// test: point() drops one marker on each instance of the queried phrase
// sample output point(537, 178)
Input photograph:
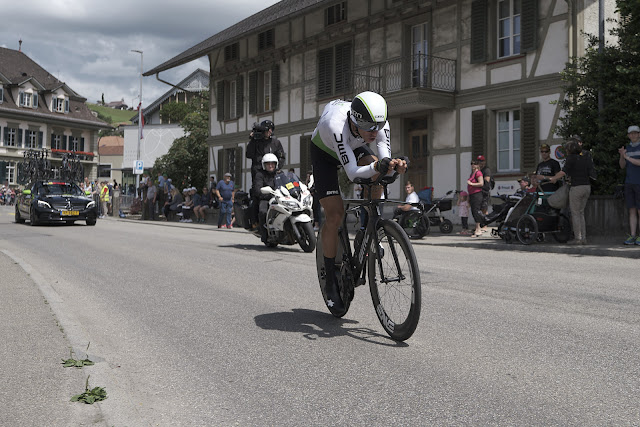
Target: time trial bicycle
point(383, 250)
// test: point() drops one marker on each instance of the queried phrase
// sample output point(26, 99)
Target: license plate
point(69, 213)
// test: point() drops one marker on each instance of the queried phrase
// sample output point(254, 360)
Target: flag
point(140, 120)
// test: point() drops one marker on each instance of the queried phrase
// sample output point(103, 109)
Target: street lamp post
point(139, 116)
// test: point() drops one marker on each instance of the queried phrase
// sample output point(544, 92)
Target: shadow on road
point(262, 248)
point(314, 324)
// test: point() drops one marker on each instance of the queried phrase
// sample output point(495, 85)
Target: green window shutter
point(325, 72)
point(35, 100)
point(65, 142)
point(275, 87)
point(343, 67)
point(529, 26)
point(529, 136)
point(305, 155)
point(479, 31)
point(3, 171)
point(478, 133)
point(20, 142)
point(40, 139)
point(253, 92)
point(220, 100)
point(82, 144)
point(237, 170)
point(239, 95)
point(220, 164)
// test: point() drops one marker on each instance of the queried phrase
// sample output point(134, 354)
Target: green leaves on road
point(89, 397)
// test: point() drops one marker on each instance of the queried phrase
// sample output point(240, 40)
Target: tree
point(187, 162)
point(616, 72)
point(174, 112)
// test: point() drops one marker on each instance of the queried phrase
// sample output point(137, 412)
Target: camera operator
point(262, 142)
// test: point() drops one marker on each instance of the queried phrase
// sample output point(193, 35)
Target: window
point(503, 28)
point(508, 138)
point(11, 172)
point(57, 142)
point(508, 28)
point(60, 105)
point(230, 160)
point(28, 99)
point(266, 39)
point(76, 144)
point(264, 90)
point(336, 13)
point(32, 139)
point(334, 70)
point(12, 137)
point(229, 98)
point(1, 94)
point(104, 170)
point(231, 52)
point(419, 50)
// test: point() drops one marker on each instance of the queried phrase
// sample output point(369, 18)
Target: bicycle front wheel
point(394, 280)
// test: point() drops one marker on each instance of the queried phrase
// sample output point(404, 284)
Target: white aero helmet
point(369, 111)
point(268, 158)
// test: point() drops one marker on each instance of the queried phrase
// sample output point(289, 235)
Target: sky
point(87, 43)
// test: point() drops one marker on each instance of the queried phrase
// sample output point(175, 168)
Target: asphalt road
point(208, 327)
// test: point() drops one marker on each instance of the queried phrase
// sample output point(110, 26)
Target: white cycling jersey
point(334, 136)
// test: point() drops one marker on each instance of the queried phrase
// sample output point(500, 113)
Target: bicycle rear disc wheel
point(394, 281)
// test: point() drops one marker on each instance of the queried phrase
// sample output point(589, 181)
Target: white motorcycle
point(289, 218)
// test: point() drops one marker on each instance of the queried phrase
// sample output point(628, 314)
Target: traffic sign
point(138, 167)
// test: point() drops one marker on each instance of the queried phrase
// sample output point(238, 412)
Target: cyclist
point(342, 138)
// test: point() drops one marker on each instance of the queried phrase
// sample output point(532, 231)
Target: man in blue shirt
point(225, 191)
point(630, 159)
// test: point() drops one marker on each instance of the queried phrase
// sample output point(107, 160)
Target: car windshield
point(59, 188)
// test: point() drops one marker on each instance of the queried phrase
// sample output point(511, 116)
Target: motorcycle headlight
point(307, 201)
point(289, 204)
point(43, 204)
point(90, 205)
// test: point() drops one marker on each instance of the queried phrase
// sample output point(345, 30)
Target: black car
point(55, 201)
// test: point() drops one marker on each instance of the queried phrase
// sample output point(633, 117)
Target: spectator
point(200, 209)
point(412, 197)
point(225, 190)
point(174, 204)
point(463, 211)
point(86, 187)
point(630, 159)
point(525, 186)
point(212, 182)
point(187, 205)
point(291, 175)
point(152, 193)
point(104, 198)
point(578, 168)
point(474, 188)
point(160, 194)
point(547, 168)
point(486, 186)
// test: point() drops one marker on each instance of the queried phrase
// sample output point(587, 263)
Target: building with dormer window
point(461, 78)
point(39, 111)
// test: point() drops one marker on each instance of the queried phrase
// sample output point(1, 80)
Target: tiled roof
point(110, 151)
point(16, 68)
point(280, 11)
point(111, 141)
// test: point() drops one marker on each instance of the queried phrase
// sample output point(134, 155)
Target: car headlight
point(43, 204)
point(90, 205)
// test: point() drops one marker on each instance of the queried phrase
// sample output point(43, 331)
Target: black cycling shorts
point(325, 170)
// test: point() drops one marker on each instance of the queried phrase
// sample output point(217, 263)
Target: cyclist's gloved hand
point(382, 165)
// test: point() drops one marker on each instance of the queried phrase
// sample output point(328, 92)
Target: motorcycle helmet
point(268, 124)
point(269, 158)
point(369, 111)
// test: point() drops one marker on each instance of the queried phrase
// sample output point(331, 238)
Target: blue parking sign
point(138, 167)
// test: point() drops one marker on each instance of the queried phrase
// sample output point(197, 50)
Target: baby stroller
point(531, 218)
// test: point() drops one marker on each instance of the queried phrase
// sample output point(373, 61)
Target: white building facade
point(461, 78)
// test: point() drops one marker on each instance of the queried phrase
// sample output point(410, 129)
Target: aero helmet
point(269, 158)
point(369, 111)
point(268, 124)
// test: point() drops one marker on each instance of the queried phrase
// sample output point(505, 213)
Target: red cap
point(481, 158)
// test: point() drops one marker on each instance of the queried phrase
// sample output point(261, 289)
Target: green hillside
point(111, 115)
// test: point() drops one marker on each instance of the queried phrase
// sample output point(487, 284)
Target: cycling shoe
point(332, 292)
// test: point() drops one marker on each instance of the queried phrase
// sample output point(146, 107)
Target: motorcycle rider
point(265, 177)
point(260, 143)
point(341, 138)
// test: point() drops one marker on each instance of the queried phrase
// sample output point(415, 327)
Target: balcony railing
point(415, 71)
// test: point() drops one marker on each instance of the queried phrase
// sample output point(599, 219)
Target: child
point(463, 211)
